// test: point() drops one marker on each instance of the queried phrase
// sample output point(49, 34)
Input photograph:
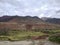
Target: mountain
point(21, 19)
point(25, 23)
point(26, 19)
point(5, 18)
point(51, 20)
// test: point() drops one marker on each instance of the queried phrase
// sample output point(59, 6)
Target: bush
point(55, 38)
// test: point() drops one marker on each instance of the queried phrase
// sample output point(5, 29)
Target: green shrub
point(55, 38)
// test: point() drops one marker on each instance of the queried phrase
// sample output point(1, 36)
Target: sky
point(40, 8)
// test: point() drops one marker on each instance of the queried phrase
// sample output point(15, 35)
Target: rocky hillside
point(21, 19)
point(25, 23)
point(51, 20)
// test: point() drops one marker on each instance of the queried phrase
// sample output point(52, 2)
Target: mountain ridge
point(25, 23)
point(51, 20)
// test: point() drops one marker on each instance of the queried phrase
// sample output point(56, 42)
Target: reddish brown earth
point(39, 37)
point(25, 23)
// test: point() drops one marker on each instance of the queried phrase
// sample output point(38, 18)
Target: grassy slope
point(23, 35)
point(20, 35)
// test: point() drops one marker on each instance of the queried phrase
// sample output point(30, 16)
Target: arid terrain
point(19, 30)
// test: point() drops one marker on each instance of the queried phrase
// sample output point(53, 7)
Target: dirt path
point(28, 43)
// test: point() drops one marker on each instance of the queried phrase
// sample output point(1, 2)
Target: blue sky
point(40, 8)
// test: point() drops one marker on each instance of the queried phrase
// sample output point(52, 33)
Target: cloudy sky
point(40, 8)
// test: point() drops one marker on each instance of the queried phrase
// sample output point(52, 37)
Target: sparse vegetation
point(24, 35)
point(20, 35)
point(50, 31)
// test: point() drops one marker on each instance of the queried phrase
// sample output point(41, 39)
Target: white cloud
point(41, 15)
point(39, 8)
